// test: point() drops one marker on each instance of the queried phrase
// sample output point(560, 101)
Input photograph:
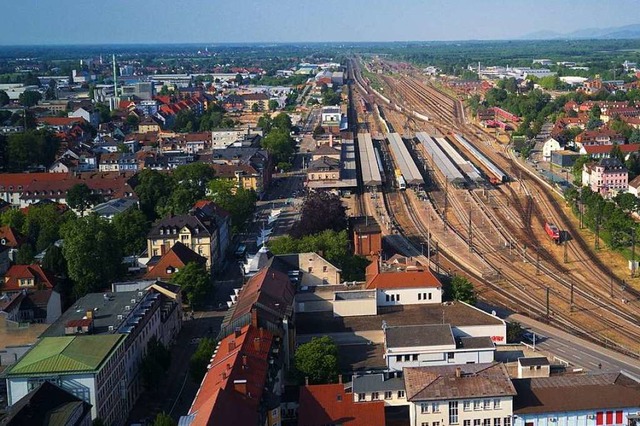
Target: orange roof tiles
point(330, 404)
point(176, 258)
point(418, 278)
point(231, 391)
point(17, 272)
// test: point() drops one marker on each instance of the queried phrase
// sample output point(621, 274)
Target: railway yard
point(471, 209)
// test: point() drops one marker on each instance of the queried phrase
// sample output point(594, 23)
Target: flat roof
point(483, 342)
point(420, 335)
point(454, 313)
point(376, 382)
point(355, 295)
point(361, 357)
point(105, 312)
point(537, 360)
point(66, 355)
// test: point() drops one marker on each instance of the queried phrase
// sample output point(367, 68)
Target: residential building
point(243, 175)
point(118, 162)
point(90, 115)
point(261, 101)
point(149, 124)
point(307, 269)
point(330, 404)
point(603, 136)
point(531, 367)
point(634, 186)
point(241, 382)
point(607, 177)
point(331, 117)
point(12, 239)
point(604, 151)
point(323, 169)
point(196, 230)
point(549, 146)
point(153, 311)
point(30, 277)
point(474, 394)
point(165, 266)
point(31, 306)
point(49, 404)
point(592, 399)
point(222, 219)
point(91, 368)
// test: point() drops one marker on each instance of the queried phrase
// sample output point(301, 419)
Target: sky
point(215, 21)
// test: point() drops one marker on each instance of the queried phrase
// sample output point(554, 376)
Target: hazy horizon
point(63, 22)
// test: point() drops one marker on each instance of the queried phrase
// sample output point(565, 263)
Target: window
point(467, 423)
point(407, 358)
point(324, 269)
point(310, 269)
point(424, 408)
point(414, 357)
point(486, 422)
point(435, 424)
point(476, 404)
point(466, 405)
point(397, 297)
point(496, 404)
point(486, 404)
point(424, 424)
point(435, 407)
point(400, 394)
point(398, 358)
point(429, 294)
point(507, 421)
point(387, 297)
point(496, 421)
point(361, 397)
point(419, 296)
point(453, 412)
point(476, 422)
point(388, 395)
point(375, 396)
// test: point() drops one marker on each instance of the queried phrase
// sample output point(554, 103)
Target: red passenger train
point(553, 232)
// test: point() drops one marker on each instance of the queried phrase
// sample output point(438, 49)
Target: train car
point(553, 232)
point(402, 184)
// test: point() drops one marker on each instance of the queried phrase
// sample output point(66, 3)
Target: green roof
point(72, 354)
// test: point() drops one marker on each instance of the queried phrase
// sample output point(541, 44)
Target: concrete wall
point(354, 307)
point(441, 412)
point(497, 333)
point(413, 296)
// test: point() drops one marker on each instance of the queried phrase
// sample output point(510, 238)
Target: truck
point(402, 183)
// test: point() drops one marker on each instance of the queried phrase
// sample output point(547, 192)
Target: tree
point(132, 120)
point(626, 201)
point(576, 169)
point(635, 136)
point(25, 254)
point(4, 98)
point(239, 79)
point(318, 131)
point(51, 90)
point(194, 281)
point(194, 176)
point(265, 123)
point(239, 202)
point(32, 148)
point(13, 218)
point(280, 144)
point(282, 121)
point(255, 107)
point(273, 105)
point(42, 224)
point(616, 152)
point(93, 253)
point(201, 358)
point(132, 227)
point(163, 419)
point(462, 290)
point(331, 98)
point(80, 198)
point(29, 98)
point(153, 189)
point(98, 422)
point(321, 210)
point(514, 332)
point(317, 360)
point(54, 261)
point(155, 363)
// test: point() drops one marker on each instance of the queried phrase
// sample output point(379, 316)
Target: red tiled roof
point(12, 238)
point(15, 180)
point(604, 149)
point(60, 121)
point(330, 404)
point(176, 258)
point(420, 278)
point(231, 391)
point(229, 170)
point(35, 272)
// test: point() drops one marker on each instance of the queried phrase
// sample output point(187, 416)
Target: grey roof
point(105, 312)
point(376, 382)
point(355, 295)
point(324, 163)
point(611, 163)
point(196, 225)
point(442, 382)
point(528, 362)
point(419, 335)
point(114, 206)
point(483, 342)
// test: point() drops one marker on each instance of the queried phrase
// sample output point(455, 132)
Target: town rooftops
point(611, 164)
point(173, 260)
point(14, 279)
point(114, 206)
point(575, 393)
point(171, 225)
point(635, 182)
point(376, 382)
point(108, 309)
point(10, 237)
point(364, 225)
point(330, 404)
point(457, 314)
point(66, 355)
point(483, 342)
point(394, 275)
point(533, 361)
point(419, 335)
point(456, 382)
point(48, 404)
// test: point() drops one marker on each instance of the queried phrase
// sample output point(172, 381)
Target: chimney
point(331, 140)
point(340, 378)
point(240, 386)
point(458, 372)
point(89, 314)
point(306, 380)
point(238, 332)
point(254, 317)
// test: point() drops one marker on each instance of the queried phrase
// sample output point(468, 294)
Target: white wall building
point(548, 147)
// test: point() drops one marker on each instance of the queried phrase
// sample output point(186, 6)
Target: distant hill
point(625, 32)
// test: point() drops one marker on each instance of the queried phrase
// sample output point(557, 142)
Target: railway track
point(527, 214)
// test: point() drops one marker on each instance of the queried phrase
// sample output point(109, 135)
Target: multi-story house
point(607, 177)
point(196, 230)
point(89, 367)
point(468, 395)
point(118, 162)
